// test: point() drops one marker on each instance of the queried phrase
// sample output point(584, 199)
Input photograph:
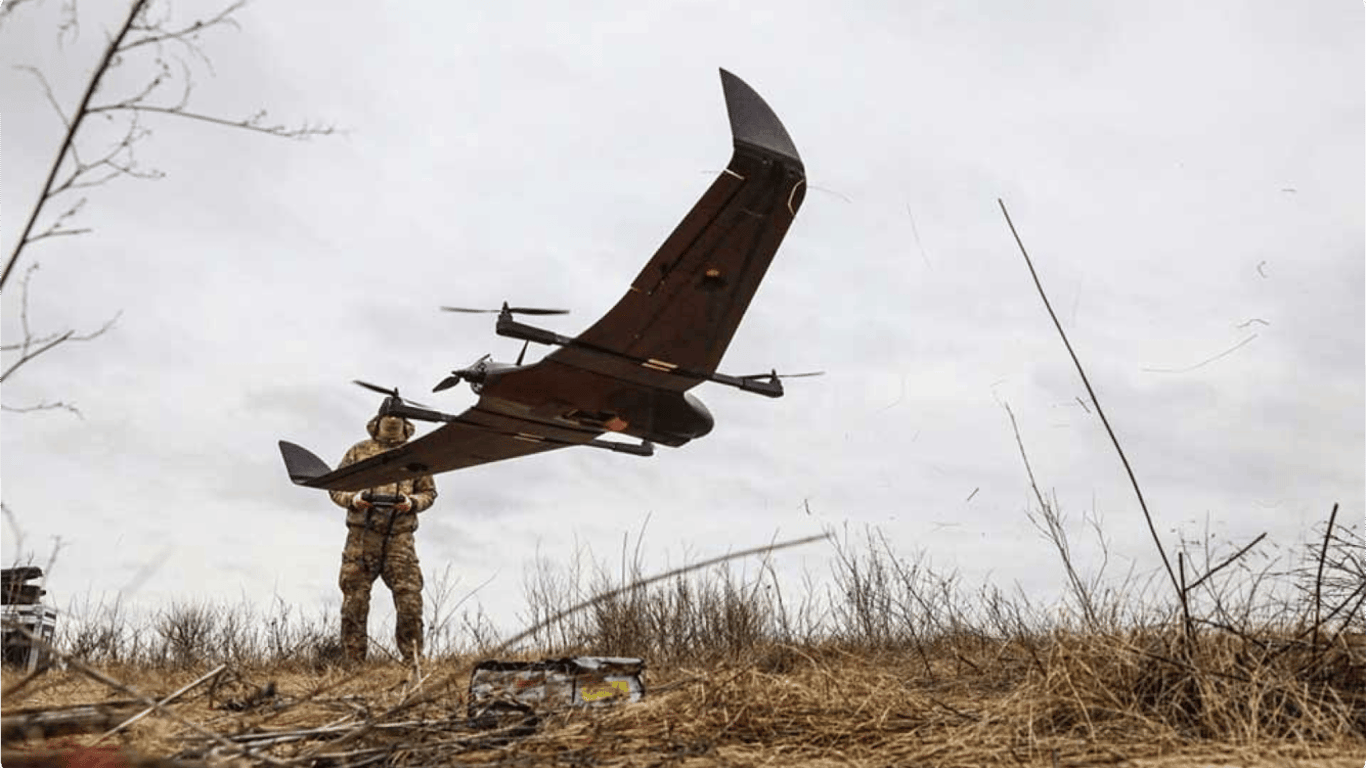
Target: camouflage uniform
point(379, 542)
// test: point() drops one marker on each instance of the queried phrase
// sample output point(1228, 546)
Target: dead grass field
point(785, 706)
point(902, 667)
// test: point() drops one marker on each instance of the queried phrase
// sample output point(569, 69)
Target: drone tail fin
point(753, 122)
point(301, 464)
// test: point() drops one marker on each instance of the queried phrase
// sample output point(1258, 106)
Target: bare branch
point(79, 176)
point(23, 305)
point(67, 141)
point(56, 228)
point(45, 406)
point(253, 123)
point(32, 346)
point(29, 355)
point(139, 29)
point(1227, 561)
point(1052, 529)
point(163, 73)
point(54, 232)
point(70, 170)
point(47, 91)
point(189, 81)
point(1133, 480)
point(1318, 578)
point(155, 34)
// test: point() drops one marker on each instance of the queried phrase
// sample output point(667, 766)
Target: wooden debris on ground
point(33, 724)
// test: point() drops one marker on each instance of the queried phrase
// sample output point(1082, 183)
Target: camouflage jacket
point(420, 490)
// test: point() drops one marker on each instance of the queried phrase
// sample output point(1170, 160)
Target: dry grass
point(904, 667)
point(785, 705)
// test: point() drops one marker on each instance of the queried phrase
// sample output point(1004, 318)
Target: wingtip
point(301, 464)
point(753, 122)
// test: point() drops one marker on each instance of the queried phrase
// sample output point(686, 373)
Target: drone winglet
point(753, 122)
point(301, 464)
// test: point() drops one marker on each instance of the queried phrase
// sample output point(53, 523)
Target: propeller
point(512, 310)
point(390, 392)
point(473, 374)
point(776, 375)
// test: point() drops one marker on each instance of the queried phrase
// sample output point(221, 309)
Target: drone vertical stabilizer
point(752, 121)
point(301, 464)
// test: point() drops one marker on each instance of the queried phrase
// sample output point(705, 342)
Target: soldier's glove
point(359, 502)
point(404, 504)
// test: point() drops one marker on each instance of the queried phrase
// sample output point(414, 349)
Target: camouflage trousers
point(366, 557)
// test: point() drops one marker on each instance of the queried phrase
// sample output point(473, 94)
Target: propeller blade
point(376, 388)
point(522, 354)
point(390, 392)
point(447, 383)
point(775, 374)
point(537, 311)
point(513, 310)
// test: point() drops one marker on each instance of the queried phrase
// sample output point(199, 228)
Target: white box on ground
point(583, 681)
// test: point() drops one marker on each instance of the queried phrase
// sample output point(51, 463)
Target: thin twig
point(1360, 590)
point(251, 123)
point(1152, 529)
point(45, 405)
point(77, 117)
point(212, 673)
point(1187, 626)
point(1052, 528)
point(142, 698)
point(224, 17)
point(27, 356)
point(47, 91)
point(1207, 360)
point(1318, 579)
point(137, 31)
point(924, 257)
point(1226, 562)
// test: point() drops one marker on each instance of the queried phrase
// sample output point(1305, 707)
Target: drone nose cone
point(702, 417)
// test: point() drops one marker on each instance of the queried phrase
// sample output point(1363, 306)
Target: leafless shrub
point(187, 631)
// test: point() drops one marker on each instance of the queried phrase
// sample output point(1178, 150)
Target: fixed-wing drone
point(630, 372)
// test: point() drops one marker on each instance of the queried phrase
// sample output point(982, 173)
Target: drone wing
point(477, 436)
point(682, 310)
point(629, 370)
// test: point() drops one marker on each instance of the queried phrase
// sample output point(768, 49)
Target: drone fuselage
point(576, 399)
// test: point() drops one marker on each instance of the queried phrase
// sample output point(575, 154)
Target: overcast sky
point(1188, 178)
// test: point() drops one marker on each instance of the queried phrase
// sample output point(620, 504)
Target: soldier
point(379, 542)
